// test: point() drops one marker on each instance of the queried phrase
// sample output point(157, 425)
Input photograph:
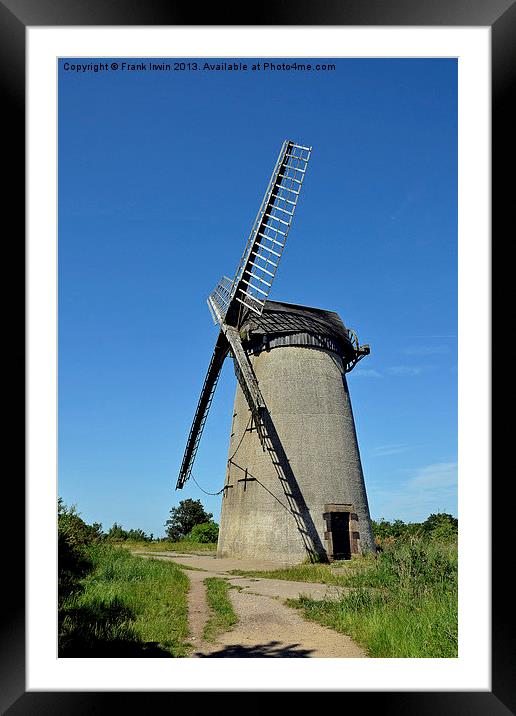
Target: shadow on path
point(270, 650)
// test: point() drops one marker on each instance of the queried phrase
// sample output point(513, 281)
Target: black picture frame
point(500, 16)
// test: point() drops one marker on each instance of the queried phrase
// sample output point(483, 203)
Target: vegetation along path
point(266, 627)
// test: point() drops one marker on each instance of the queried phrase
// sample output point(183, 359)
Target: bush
point(205, 532)
point(415, 565)
point(73, 530)
point(440, 527)
point(73, 538)
point(118, 534)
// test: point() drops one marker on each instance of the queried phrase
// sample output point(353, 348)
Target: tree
point(138, 536)
point(441, 526)
point(116, 532)
point(184, 517)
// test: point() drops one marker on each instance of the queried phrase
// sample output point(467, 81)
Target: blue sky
point(160, 177)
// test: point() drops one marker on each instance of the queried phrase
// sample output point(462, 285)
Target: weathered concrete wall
point(307, 397)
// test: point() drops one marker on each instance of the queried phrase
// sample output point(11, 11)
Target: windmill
point(294, 486)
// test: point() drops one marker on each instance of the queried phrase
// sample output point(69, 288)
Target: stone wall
point(265, 517)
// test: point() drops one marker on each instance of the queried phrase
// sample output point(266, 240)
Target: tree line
point(440, 526)
point(188, 521)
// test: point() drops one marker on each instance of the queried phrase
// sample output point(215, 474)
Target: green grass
point(222, 616)
point(402, 603)
point(125, 606)
point(319, 573)
point(390, 627)
point(183, 547)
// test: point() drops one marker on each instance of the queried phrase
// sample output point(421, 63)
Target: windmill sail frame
point(249, 289)
point(203, 406)
point(259, 262)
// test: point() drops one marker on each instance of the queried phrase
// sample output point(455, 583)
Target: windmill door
point(339, 525)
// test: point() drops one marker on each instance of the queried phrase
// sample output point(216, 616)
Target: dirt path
point(266, 627)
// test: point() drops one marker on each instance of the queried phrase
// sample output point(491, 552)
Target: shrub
point(440, 527)
point(117, 533)
point(73, 537)
point(205, 532)
point(73, 530)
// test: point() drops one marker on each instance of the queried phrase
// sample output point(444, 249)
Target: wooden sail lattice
point(250, 288)
point(257, 268)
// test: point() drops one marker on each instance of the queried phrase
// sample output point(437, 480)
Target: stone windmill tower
point(294, 487)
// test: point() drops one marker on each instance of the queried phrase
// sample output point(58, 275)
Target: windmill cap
point(283, 324)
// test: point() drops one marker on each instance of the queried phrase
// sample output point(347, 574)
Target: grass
point(183, 547)
point(125, 606)
point(222, 616)
point(402, 603)
point(319, 573)
point(390, 627)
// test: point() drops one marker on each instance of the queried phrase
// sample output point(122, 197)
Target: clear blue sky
point(160, 177)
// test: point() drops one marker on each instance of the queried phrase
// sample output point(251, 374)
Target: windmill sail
point(258, 265)
point(219, 300)
point(249, 289)
point(247, 379)
point(210, 383)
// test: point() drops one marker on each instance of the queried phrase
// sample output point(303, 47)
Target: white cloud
point(407, 370)
point(440, 474)
point(367, 373)
point(383, 450)
point(425, 350)
point(429, 489)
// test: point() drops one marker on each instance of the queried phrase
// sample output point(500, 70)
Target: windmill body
point(294, 486)
point(304, 495)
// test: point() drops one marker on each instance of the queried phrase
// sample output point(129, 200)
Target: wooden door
point(340, 535)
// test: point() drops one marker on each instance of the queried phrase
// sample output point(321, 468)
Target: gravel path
point(266, 627)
